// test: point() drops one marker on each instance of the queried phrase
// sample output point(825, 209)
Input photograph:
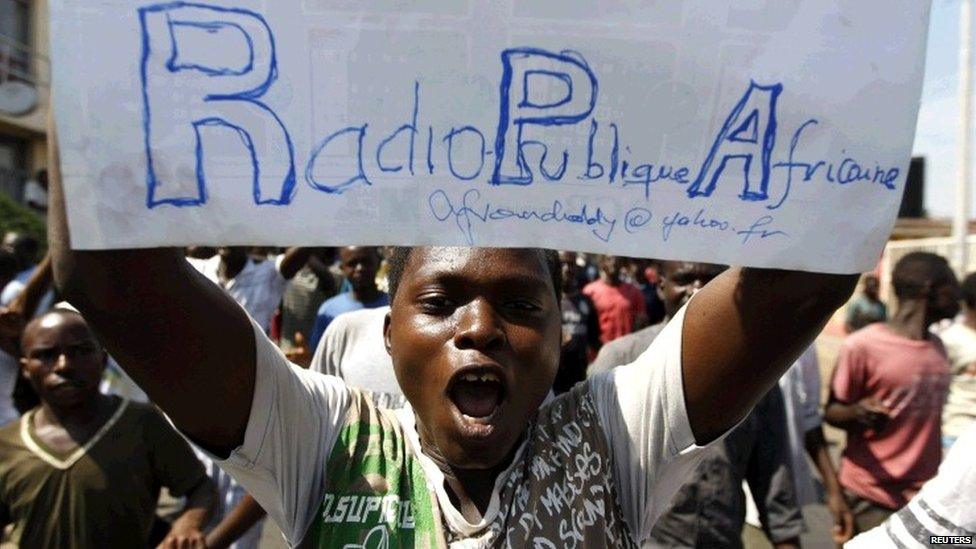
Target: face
point(474, 335)
point(943, 301)
point(570, 270)
point(62, 360)
point(359, 265)
point(680, 280)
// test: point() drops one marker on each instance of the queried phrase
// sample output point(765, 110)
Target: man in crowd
point(353, 349)
point(35, 193)
point(84, 469)
point(24, 248)
point(867, 308)
point(619, 304)
point(358, 264)
point(960, 343)
point(710, 508)
point(887, 393)
point(680, 280)
point(800, 386)
point(581, 327)
point(474, 335)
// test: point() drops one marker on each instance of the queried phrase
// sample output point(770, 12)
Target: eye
point(436, 304)
point(523, 305)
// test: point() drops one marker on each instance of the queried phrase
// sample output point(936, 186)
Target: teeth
point(483, 377)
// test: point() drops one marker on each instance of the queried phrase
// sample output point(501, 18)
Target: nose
point(479, 326)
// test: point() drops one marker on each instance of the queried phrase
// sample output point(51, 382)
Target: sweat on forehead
point(402, 257)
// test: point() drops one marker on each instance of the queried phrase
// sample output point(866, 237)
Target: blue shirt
point(342, 303)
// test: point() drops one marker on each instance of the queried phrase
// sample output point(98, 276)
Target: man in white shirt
point(481, 457)
point(353, 349)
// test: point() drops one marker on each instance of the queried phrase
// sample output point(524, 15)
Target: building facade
point(25, 77)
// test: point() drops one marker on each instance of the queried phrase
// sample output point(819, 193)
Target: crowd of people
point(681, 425)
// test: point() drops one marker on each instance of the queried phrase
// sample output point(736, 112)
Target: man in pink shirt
point(887, 393)
point(619, 304)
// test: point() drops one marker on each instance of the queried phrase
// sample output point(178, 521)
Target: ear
point(23, 369)
point(659, 288)
point(386, 333)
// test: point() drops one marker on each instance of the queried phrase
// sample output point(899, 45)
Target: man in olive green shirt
point(84, 469)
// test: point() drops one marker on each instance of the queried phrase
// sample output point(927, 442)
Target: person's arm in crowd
point(15, 316)
point(293, 260)
point(187, 529)
point(245, 515)
point(179, 336)
point(848, 408)
point(769, 477)
point(742, 331)
point(816, 447)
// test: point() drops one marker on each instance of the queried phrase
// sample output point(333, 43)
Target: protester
point(680, 280)
point(887, 393)
point(800, 386)
point(257, 286)
point(353, 349)
point(359, 264)
point(311, 286)
point(619, 304)
point(710, 509)
point(867, 307)
point(581, 328)
point(960, 343)
point(84, 469)
point(942, 513)
point(474, 335)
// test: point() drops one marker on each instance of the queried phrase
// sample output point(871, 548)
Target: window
point(14, 40)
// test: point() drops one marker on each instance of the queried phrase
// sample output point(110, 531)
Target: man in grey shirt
point(679, 282)
point(709, 510)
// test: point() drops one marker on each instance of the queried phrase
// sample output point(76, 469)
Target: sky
point(938, 120)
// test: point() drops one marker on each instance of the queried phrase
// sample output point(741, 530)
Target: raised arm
point(742, 331)
point(180, 337)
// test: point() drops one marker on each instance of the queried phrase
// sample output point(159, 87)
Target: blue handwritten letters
point(209, 73)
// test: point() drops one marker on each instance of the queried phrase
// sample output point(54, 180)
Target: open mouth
point(478, 394)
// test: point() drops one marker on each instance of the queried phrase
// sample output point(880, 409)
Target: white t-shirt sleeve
point(642, 409)
point(296, 416)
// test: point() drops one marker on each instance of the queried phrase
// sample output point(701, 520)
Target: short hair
point(969, 290)
point(61, 309)
point(401, 255)
point(918, 272)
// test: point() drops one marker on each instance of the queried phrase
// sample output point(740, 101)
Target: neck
point(73, 416)
point(469, 489)
point(911, 319)
point(609, 279)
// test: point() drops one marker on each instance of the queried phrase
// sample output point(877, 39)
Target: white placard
point(770, 133)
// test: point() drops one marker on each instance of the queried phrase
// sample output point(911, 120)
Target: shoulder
point(10, 437)
point(593, 287)
point(333, 302)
